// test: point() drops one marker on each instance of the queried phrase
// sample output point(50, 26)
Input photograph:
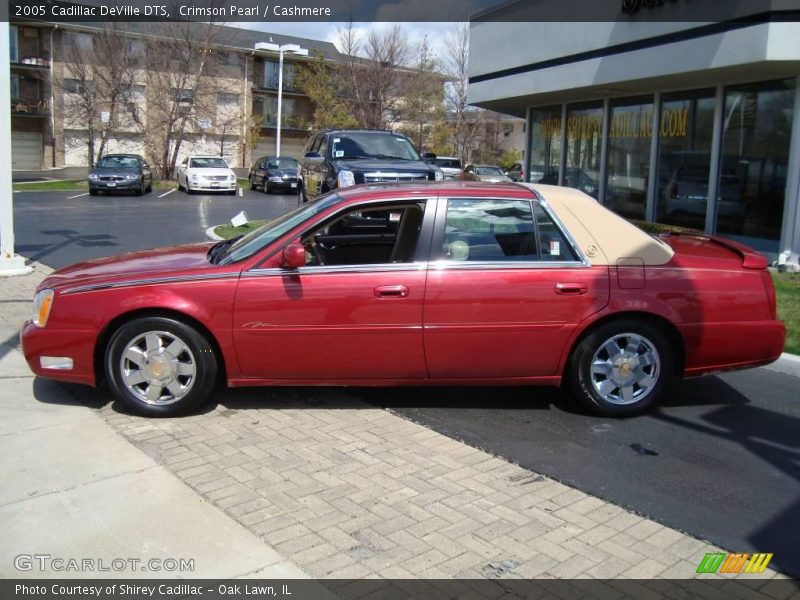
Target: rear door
point(505, 291)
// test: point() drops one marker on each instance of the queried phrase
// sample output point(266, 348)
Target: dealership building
point(682, 123)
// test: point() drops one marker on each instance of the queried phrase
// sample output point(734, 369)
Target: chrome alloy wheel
point(158, 368)
point(625, 368)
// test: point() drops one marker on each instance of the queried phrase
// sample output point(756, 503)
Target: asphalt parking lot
point(61, 228)
point(720, 460)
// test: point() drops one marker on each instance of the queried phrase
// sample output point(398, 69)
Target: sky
point(328, 31)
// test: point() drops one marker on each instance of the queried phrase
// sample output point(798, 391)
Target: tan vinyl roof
point(612, 239)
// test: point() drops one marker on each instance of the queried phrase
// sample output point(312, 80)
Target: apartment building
point(50, 129)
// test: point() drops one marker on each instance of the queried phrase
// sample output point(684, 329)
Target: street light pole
point(10, 263)
point(280, 102)
point(285, 48)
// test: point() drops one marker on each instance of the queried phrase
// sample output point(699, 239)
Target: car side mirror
point(312, 155)
point(428, 156)
point(294, 256)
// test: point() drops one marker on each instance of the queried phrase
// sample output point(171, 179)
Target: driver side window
point(380, 235)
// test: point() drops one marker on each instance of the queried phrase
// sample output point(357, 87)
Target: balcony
point(29, 107)
point(271, 84)
point(290, 123)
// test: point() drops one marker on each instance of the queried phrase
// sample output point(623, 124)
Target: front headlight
point(438, 175)
point(345, 179)
point(93, 176)
point(42, 303)
point(131, 177)
point(232, 177)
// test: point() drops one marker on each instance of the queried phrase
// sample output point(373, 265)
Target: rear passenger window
point(552, 243)
point(489, 230)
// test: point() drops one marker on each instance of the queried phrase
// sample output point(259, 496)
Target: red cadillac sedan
point(454, 283)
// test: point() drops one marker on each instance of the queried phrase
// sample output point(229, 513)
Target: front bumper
point(213, 186)
point(111, 186)
point(77, 345)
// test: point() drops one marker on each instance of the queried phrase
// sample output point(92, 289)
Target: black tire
point(140, 190)
point(585, 387)
point(252, 185)
point(301, 195)
point(92, 192)
point(265, 187)
point(202, 357)
point(149, 187)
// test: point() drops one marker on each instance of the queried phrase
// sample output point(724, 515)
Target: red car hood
point(158, 262)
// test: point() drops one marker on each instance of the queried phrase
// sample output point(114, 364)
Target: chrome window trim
point(148, 281)
point(314, 269)
point(499, 265)
point(564, 231)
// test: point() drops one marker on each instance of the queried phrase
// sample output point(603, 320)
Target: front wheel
point(620, 368)
point(160, 367)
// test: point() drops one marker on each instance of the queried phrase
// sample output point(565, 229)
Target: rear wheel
point(620, 368)
point(160, 367)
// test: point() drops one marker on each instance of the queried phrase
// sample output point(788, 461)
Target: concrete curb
point(211, 235)
point(786, 363)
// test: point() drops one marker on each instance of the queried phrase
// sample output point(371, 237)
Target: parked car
point(516, 172)
point(488, 173)
point(450, 166)
point(343, 158)
point(270, 173)
point(686, 192)
point(438, 284)
point(121, 173)
point(206, 173)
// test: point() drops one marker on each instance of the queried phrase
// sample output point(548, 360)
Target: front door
point(507, 293)
point(355, 310)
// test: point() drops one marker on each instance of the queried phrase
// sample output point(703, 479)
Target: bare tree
point(99, 84)
point(465, 120)
point(185, 76)
point(376, 72)
point(423, 105)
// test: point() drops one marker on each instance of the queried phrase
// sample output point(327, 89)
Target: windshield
point(208, 163)
point(262, 237)
point(488, 171)
point(118, 162)
point(448, 163)
point(372, 145)
point(281, 163)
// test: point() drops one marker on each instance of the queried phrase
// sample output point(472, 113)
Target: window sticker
point(339, 153)
point(336, 140)
point(555, 247)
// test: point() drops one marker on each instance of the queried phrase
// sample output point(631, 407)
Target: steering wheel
point(316, 250)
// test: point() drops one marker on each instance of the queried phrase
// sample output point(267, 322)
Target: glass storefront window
point(684, 158)
point(545, 150)
point(629, 135)
point(584, 140)
point(757, 127)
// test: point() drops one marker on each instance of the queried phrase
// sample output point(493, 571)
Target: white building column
point(789, 256)
point(10, 263)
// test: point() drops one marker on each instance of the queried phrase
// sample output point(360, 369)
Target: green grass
point(243, 182)
point(73, 185)
point(228, 231)
point(787, 287)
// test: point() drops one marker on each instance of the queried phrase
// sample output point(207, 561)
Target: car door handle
point(391, 291)
point(570, 289)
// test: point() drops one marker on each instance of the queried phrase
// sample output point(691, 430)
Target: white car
point(206, 173)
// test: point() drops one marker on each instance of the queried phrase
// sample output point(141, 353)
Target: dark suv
point(342, 158)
